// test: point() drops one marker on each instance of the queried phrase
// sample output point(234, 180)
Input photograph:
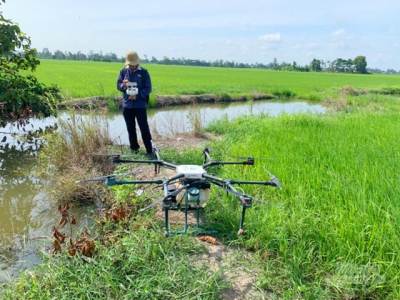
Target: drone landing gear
point(246, 202)
point(186, 209)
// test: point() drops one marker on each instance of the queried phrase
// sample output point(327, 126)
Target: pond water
point(176, 119)
point(26, 215)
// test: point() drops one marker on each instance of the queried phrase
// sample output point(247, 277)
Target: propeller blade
point(244, 195)
point(274, 179)
point(268, 203)
point(214, 150)
point(232, 191)
point(154, 203)
point(277, 183)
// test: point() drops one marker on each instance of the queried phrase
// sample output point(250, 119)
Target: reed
point(67, 156)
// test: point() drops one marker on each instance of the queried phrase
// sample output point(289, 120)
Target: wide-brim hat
point(132, 58)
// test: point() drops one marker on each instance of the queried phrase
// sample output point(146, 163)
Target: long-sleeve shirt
point(142, 78)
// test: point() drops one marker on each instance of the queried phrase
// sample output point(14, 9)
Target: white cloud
point(271, 38)
point(338, 34)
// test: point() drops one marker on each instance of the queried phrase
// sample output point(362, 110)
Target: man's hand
point(133, 97)
point(125, 81)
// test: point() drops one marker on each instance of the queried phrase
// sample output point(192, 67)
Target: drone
point(189, 189)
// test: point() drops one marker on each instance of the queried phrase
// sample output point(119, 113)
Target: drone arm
point(250, 161)
point(213, 178)
point(112, 182)
point(169, 165)
point(253, 182)
point(117, 160)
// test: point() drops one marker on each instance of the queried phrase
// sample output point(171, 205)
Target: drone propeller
point(214, 150)
point(104, 178)
point(247, 196)
point(173, 194)
point(274, 179)
point(232, 191)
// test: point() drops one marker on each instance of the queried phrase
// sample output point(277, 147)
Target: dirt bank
point(162, 100)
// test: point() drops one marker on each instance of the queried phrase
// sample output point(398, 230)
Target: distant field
point(84, 79)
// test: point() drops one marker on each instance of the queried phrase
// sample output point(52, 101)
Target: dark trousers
point(139, 114)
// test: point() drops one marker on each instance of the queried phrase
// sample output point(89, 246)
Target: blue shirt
point(142, 78)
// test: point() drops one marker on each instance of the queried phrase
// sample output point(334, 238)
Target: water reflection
point(173, 120)
point(26, 215)
point(20, 197)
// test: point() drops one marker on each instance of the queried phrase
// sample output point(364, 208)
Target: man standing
point(134, 81)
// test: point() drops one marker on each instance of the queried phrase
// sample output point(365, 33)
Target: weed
point(67, 155)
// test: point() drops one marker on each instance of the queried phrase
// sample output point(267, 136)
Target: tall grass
point(68, 157)
point(337, 236)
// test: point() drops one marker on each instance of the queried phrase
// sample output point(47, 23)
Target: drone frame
point(188, 181)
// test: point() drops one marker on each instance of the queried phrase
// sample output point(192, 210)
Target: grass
point(84, 79)
point(338, 234)
point(141, 265)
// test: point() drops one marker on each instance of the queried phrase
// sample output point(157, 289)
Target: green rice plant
point(87, 79)
point(338, 233)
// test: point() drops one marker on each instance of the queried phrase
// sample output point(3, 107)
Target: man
point(134, 81)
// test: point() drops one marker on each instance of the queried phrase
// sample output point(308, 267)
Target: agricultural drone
point(190, 188)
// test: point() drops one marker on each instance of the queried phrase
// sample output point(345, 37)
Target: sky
point(232, 30)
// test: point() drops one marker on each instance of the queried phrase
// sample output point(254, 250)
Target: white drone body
point(191, 171)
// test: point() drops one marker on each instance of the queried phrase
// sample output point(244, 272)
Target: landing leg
point(166, 233)
point(240, 232)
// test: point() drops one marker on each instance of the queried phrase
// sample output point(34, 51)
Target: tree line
point(356, 65)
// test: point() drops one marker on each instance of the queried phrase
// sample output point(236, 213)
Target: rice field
point(84, 79)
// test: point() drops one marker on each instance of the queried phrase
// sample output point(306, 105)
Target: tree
point(315, 65)
point(275, 64)
point(21, 96)
point(45, 53)
point(360, 64)
point(58, 55)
